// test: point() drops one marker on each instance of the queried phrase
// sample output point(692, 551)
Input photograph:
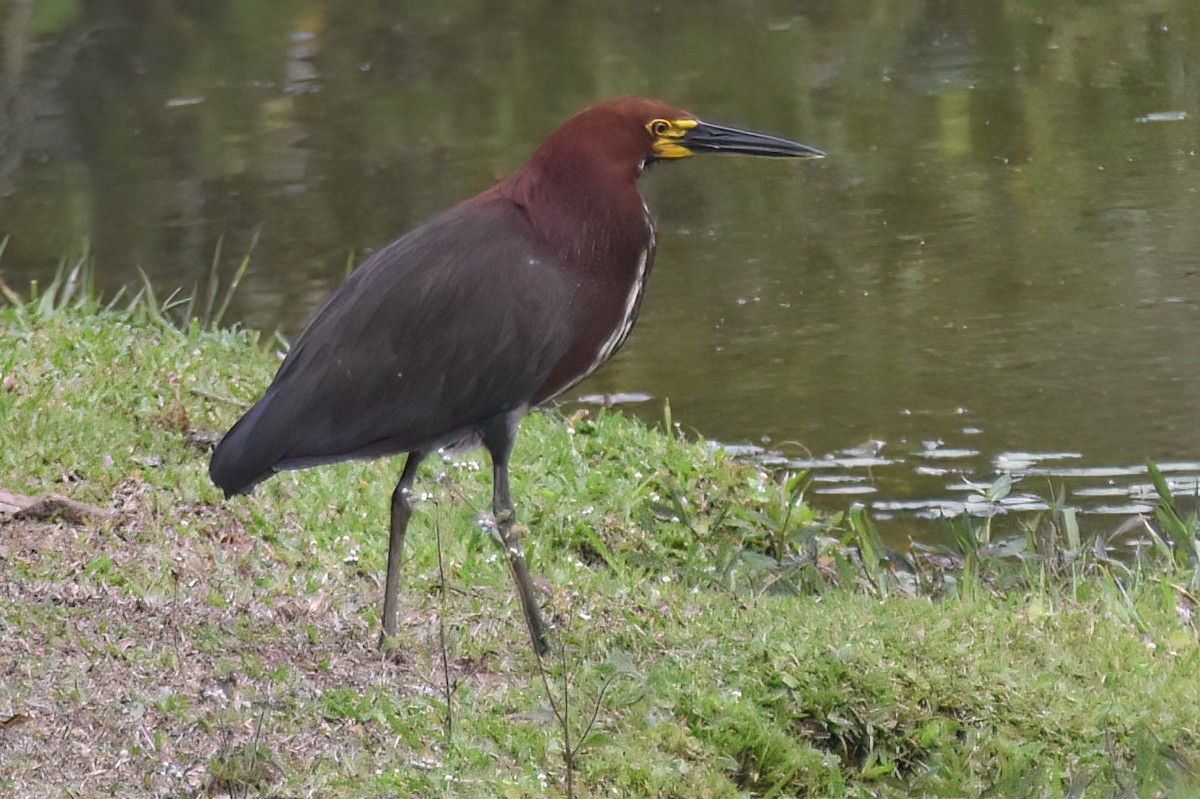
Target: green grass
point(715, 636)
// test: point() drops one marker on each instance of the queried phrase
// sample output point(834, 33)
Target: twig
point(562, 714)
point(199, 392)
point(446, 687)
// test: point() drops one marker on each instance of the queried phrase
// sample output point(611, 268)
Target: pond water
point(996, 271)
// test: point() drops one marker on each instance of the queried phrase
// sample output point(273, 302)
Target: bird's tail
point(241, 462)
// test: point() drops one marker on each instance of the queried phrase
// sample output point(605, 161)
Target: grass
point(714, 636)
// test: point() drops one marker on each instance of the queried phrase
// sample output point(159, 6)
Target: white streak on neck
point(621, 331)
point(629, 315)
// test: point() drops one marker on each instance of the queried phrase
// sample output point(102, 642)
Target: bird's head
point(636, 131)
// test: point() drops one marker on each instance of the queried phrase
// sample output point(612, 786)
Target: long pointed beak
point(709, 138)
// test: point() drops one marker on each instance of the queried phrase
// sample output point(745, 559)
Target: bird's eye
point(659, 127)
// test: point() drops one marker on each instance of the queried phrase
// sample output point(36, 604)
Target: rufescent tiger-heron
point(447, 336)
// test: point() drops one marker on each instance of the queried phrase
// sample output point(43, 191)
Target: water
point(995, 271)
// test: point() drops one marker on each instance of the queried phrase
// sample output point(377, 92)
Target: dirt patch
point(142, 661)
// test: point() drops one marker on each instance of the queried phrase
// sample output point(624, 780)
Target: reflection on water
point(999, 255)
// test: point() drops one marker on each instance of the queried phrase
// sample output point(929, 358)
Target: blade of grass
point(11, 296)
point(1180, 532)
point(46, 303)
point(149, 307)
point(214, 280)
point(237, 280)
point(73, 280)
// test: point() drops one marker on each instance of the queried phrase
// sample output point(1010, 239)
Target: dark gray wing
point(458, 321)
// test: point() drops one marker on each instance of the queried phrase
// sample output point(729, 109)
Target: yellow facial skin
point(668, 133)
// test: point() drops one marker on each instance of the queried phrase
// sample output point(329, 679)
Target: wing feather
point(458, 321)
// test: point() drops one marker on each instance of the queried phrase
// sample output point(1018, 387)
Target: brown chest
point(603, 316)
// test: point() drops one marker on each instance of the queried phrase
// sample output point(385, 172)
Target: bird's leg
point(498, 438)
point(401, 512)
point(503, 510)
